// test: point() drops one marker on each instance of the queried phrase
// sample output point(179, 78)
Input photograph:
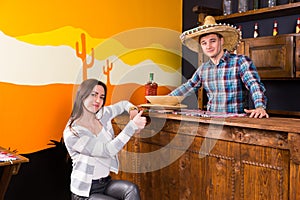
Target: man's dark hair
point(201, 36)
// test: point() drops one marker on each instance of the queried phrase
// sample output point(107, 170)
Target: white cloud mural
point(26, 64)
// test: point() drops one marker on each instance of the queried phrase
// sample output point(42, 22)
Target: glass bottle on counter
point(256, 32)
point(151, 86)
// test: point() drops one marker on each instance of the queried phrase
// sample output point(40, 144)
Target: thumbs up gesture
point(140, 121)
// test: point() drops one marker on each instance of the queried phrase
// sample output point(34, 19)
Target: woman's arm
point(85, 143)
point(111, 111)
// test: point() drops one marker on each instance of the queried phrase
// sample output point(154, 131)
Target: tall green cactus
point(83, 56)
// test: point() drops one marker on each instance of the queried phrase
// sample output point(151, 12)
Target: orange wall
point(99, 18)
point(31, 115)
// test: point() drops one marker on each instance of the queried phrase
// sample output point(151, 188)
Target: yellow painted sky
point(101, 19)
point(62, 22)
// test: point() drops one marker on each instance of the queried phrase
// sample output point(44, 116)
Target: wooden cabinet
point(274, 56)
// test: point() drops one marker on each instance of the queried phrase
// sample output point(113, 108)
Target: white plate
point(157, 106)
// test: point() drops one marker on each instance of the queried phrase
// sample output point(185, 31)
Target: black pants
point(107, 189)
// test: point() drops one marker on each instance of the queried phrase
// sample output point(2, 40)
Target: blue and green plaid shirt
point(227, 84)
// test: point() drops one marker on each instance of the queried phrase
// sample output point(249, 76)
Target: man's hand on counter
point(257, 113)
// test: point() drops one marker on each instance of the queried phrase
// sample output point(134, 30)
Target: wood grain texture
point(212, 159)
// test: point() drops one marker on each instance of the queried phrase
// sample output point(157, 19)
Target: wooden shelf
point(262, 13)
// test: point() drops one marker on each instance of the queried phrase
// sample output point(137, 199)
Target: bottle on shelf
point(240, 29)
point(275, 28)
point(298, 25)
point(243, 6)
point(271, 3)
point(151, 86)
point(256, 4)
point(227, 8)
point(256, 31)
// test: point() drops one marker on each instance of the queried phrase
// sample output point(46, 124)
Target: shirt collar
point(222, 59)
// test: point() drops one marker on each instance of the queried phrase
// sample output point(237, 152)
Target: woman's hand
point(139, 121)
point(257, 113)
point(133, 113)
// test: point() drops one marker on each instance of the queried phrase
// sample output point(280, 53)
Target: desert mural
point(47, 48)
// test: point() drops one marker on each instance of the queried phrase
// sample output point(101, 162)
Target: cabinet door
point(218, 169)
point(273, 56)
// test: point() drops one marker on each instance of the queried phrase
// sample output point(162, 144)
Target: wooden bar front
point(185, 157)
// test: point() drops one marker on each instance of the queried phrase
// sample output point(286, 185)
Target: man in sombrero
point(227, 78)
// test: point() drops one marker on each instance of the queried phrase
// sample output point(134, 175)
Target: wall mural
point(44, 58)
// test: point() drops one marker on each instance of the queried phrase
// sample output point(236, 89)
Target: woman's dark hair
point(84, 90)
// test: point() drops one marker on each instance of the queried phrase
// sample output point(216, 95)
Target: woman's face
point(94, 101)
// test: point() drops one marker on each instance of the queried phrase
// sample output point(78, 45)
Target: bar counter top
point(272, 124)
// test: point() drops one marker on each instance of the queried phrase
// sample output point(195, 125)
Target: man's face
point(211, 45)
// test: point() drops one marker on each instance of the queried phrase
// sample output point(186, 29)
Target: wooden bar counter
point(201, 158)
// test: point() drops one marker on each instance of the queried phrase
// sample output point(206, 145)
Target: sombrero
point(231, 34)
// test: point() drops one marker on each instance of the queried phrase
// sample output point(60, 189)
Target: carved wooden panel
point(273, 55)
point(264, 169)
point(218, 166)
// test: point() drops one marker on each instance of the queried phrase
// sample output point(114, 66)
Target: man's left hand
point(257, 113)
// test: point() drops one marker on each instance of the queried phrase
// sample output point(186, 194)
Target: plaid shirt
point(227, 84)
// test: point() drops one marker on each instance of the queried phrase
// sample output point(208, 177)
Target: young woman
point(90, 141)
